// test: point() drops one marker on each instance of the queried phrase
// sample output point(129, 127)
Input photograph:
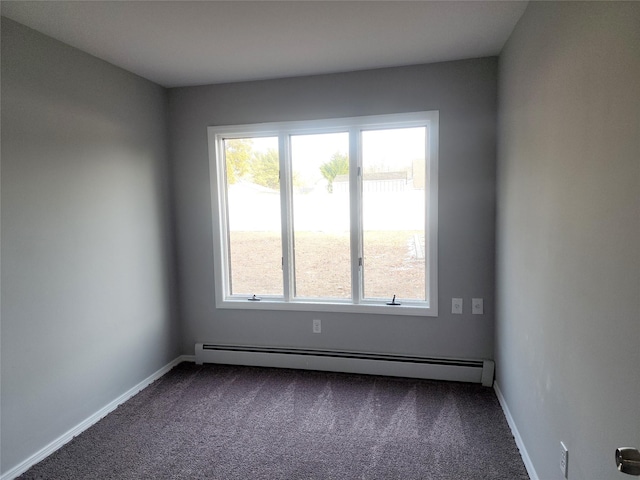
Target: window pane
point(253, 200)
point(393, 213)
point(320, 166)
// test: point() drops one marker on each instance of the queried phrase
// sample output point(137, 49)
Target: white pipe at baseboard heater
point(433, 368)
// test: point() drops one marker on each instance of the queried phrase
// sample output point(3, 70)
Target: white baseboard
point(516, 434)
point(85, 424)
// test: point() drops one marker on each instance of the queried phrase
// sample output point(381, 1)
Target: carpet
point(231, 422)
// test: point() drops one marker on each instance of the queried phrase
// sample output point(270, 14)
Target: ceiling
point(181, 43)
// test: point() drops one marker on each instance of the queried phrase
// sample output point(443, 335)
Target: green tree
point(337, 165)
point(265, 169)
point(238, 154)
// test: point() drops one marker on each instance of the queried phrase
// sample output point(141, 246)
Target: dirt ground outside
point(393, 264)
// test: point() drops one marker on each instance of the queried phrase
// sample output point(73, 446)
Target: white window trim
point(353, 125)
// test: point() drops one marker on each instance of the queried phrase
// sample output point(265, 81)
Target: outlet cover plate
point(564, 460)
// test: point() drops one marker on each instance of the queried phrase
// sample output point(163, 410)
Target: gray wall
point(465, 94)
point(87, 302)
point(568, 263)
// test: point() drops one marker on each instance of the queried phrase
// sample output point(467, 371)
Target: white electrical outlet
point(317, 325)
point(456, 305)
point(477, 306)
point(564, 460)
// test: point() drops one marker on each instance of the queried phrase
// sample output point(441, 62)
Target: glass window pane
point(393, 213)
point(320, 166)
point(253, 202)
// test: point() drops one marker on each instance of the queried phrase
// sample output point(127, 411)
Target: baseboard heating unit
point(433, 368)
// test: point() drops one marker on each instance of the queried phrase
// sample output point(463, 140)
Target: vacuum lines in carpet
point(232, 422)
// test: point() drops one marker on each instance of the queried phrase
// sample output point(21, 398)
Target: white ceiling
point(180, 43)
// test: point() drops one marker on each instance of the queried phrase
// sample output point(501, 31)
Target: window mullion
point(286, 215)
point(431, 210)
point(355, 176)
point(224, 218)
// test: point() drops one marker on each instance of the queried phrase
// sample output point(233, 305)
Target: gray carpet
point(230, 422)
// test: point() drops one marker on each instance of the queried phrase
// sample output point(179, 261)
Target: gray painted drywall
point(568, 235)
point(87, 282)
point(465, 94)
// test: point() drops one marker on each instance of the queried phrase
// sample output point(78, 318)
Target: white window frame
point(283, 130)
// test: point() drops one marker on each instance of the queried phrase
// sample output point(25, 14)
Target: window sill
point(336, 307)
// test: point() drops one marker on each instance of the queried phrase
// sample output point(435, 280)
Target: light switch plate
point(477, 306)
point(456, 305)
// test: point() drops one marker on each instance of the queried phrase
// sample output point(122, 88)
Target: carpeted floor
point(229, 422)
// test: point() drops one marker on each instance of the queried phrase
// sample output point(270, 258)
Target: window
point(327, 215)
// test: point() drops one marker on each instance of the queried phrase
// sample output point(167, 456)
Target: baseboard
point(516, 434)
point(85, 424)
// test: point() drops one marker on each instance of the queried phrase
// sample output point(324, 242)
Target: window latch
point(393, 301)
point(254, 299)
